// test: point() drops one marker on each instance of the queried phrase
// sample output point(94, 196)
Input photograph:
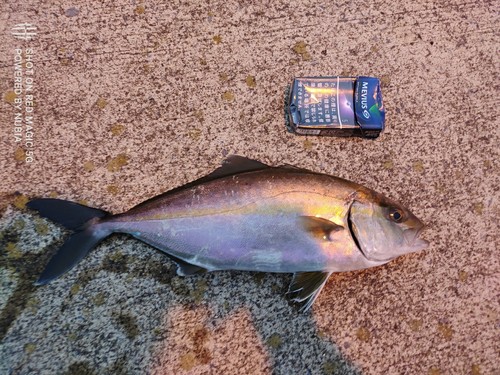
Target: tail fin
point(74, 216)
point(71, 215)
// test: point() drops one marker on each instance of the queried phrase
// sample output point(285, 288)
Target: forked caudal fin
point(74, 216)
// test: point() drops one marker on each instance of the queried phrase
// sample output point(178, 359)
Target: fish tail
point(83, 220)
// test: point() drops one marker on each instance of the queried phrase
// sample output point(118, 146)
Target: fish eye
point(396, 215)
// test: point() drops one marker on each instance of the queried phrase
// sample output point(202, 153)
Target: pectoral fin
point(318, 227)
point(306, 286)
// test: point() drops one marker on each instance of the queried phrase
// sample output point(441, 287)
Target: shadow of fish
point(252, 217)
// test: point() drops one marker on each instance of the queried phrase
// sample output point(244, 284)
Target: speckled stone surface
point(134, 98)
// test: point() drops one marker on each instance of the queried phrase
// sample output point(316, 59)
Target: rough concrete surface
point(134, 98)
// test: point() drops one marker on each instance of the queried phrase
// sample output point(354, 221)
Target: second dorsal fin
point(235, 164)
point(232, 165)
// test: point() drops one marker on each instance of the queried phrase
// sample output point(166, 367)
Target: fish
point(249, 216)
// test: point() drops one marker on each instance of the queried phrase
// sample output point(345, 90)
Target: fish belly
point(267, 243)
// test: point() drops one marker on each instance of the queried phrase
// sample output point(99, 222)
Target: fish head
point(383, 229)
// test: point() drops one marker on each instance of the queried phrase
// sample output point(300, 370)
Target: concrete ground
point(134, 98)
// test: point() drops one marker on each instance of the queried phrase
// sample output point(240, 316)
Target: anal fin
point(186, 269)
point(306, 286)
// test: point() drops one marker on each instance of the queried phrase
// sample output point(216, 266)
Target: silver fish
point(252, 217)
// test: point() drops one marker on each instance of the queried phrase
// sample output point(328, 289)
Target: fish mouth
point(413, 240)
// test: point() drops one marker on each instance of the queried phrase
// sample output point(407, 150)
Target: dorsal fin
point(232, 165)
point(293, 167)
